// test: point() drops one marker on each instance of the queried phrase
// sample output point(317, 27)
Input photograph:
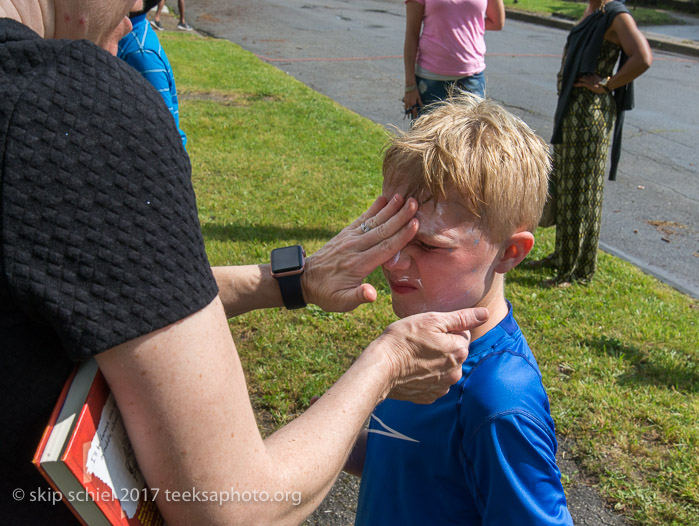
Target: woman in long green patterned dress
point(590, 99)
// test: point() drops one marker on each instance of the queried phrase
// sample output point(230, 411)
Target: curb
point(656, 41)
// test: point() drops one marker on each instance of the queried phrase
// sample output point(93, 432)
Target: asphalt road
point(351, 52)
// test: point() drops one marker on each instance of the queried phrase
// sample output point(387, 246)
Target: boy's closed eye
point(428, 247)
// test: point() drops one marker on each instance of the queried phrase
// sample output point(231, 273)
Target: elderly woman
point(591, 98)
point(101, 255)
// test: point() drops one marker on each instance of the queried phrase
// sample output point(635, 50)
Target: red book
point(86, 456)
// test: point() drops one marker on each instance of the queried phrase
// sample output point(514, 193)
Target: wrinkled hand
point(590, 81)
point(426, 352)
point(333, 277)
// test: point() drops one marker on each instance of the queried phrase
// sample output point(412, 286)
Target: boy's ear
point(516, 248)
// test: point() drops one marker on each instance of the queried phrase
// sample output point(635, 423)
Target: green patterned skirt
point(578, 176)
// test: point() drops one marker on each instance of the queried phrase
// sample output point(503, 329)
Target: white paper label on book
point(112, 460)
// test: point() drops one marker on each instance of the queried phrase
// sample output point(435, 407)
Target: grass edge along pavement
point(563, 14)
point(276, 163)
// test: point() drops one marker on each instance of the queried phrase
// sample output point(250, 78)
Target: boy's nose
point(400, 261)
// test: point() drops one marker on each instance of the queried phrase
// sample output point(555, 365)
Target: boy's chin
point(404, 310)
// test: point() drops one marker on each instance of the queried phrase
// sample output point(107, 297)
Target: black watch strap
point(292, 292)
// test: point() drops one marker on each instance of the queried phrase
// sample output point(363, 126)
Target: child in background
point(485, 453)
point(141, 50)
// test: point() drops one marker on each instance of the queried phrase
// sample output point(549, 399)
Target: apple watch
point(287, 267)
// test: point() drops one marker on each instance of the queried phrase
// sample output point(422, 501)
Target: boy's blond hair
point(475, 152)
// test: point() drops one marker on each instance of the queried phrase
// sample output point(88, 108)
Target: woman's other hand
point(334, 276)
point(591, 82)
point(425, 352)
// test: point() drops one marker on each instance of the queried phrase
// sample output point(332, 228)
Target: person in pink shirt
point(445, 46)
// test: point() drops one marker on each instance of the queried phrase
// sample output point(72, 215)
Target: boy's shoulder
point(501, 377)
point(504, 340)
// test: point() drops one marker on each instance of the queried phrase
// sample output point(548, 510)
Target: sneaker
point(155, 24)
point(184, 26)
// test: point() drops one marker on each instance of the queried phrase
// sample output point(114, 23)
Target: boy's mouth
point(403, 285)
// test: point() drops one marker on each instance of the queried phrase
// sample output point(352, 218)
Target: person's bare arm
point(334, 276)
point(624, 32)
point(494, 15)
point(245, 288)
point(413, 24)
point(182, 394)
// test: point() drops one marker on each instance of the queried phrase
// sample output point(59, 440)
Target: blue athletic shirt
point(141, 49)
point(485, 453)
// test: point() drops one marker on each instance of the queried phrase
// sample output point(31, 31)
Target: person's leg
point(567, 174)
point(180, 6)
point(155, 23)
point(580, 184)
point(183, 25)
point(602, 120)
point(159, 10)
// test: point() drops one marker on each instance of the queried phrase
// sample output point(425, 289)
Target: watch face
point(287, 259)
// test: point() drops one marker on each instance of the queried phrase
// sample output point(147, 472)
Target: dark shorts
point(436, 90)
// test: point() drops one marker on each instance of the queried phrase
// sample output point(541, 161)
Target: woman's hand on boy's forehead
point(334, 276)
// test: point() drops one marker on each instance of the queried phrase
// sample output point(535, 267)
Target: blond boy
point(485, 452)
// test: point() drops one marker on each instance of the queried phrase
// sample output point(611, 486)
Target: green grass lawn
point(573, 10)
point(275, 163)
